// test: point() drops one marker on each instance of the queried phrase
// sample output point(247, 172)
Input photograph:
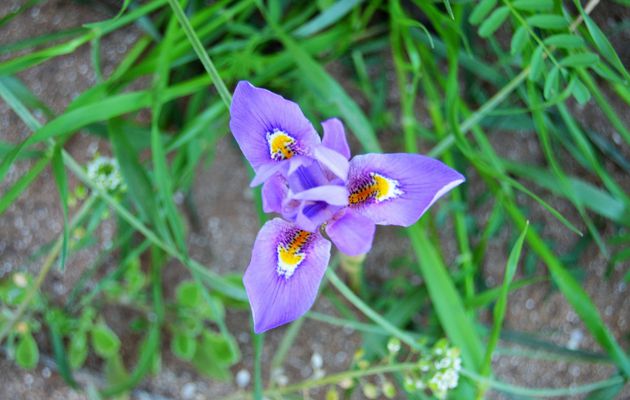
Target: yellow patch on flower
point(281, 145)
point(290, 254)
point(377, 188)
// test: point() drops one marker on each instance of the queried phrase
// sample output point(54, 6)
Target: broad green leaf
point(481, 10)
point(565, 41)
point(496, 19)
point(519, 40)
point(579, 60)
point(580, 91)
point(533, 5)
point(27, 352)
point(105, 342)
point(548, 21)
point(536, 64)
point(214, 355)
point(78, 350)
point(183, 346)
point(188, 294)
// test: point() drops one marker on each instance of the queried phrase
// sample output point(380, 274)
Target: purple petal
point(335, 137)
point(335, 162)
point(266, 171)
point(274, 191)
point(352, 233)
point(396, 189)
point(307, 177)
point(311, 215)
point(331, 194)
point(256, 115)
point(284, 274)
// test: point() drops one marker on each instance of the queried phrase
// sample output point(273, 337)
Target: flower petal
point(396, 189)
point(335, 162)
point(257, 114)
point(284, 273)
point(312, 214)
point(331, 194)
point(266, 171)
point(352, 233)
point(335, 137)
point(274, 191)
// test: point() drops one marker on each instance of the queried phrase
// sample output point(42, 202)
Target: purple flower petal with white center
point(284, 274)
point(351, 232)
point(335, 137)
point(269, 129)
point(396, 189)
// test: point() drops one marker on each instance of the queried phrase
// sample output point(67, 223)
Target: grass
point(444, 78)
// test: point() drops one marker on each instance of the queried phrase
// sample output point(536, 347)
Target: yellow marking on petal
point(280, 145)
point(289, 253)
point(377, 188)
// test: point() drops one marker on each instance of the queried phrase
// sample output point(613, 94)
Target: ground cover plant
point(526, 260)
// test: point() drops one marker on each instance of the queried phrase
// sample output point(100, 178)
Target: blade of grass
point(500, 307)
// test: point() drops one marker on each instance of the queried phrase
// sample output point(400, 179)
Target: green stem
point(201, 53)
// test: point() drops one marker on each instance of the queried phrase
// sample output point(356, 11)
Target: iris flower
point(316, 188)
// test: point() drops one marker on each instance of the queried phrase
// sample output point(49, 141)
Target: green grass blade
point(327, 18)
point(447, 302)
point(62, 185)
point(501, 305)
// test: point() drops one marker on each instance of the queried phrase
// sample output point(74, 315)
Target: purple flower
point(275, 136)
point(311, 184)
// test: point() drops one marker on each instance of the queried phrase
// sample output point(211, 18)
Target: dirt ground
point(225, 234)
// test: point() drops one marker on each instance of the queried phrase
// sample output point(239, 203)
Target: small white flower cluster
point(447, 363)
point(438, 371)
point(105, 174)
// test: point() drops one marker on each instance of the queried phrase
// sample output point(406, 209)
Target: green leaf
point(214, 355)
point(183, 346)
point(62, 185)
point(329, 91)
point(27, 353)
point(481, 11)
point(565, 41)
point(78, 351)
point(536, 64)
point(446, 300)
point(105, 342)
point(580, 91)
point(551, 83)
point(327, 18)
point(519, 40)
point(579, 60)
point(533, 5)
point(188, 294)
point(548, 21)
point(500, 307)
point(496, 19)
point(603, 45)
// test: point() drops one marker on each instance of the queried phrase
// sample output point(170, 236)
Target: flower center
point(281, 145)
point(375, 188)
point(290, 254)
